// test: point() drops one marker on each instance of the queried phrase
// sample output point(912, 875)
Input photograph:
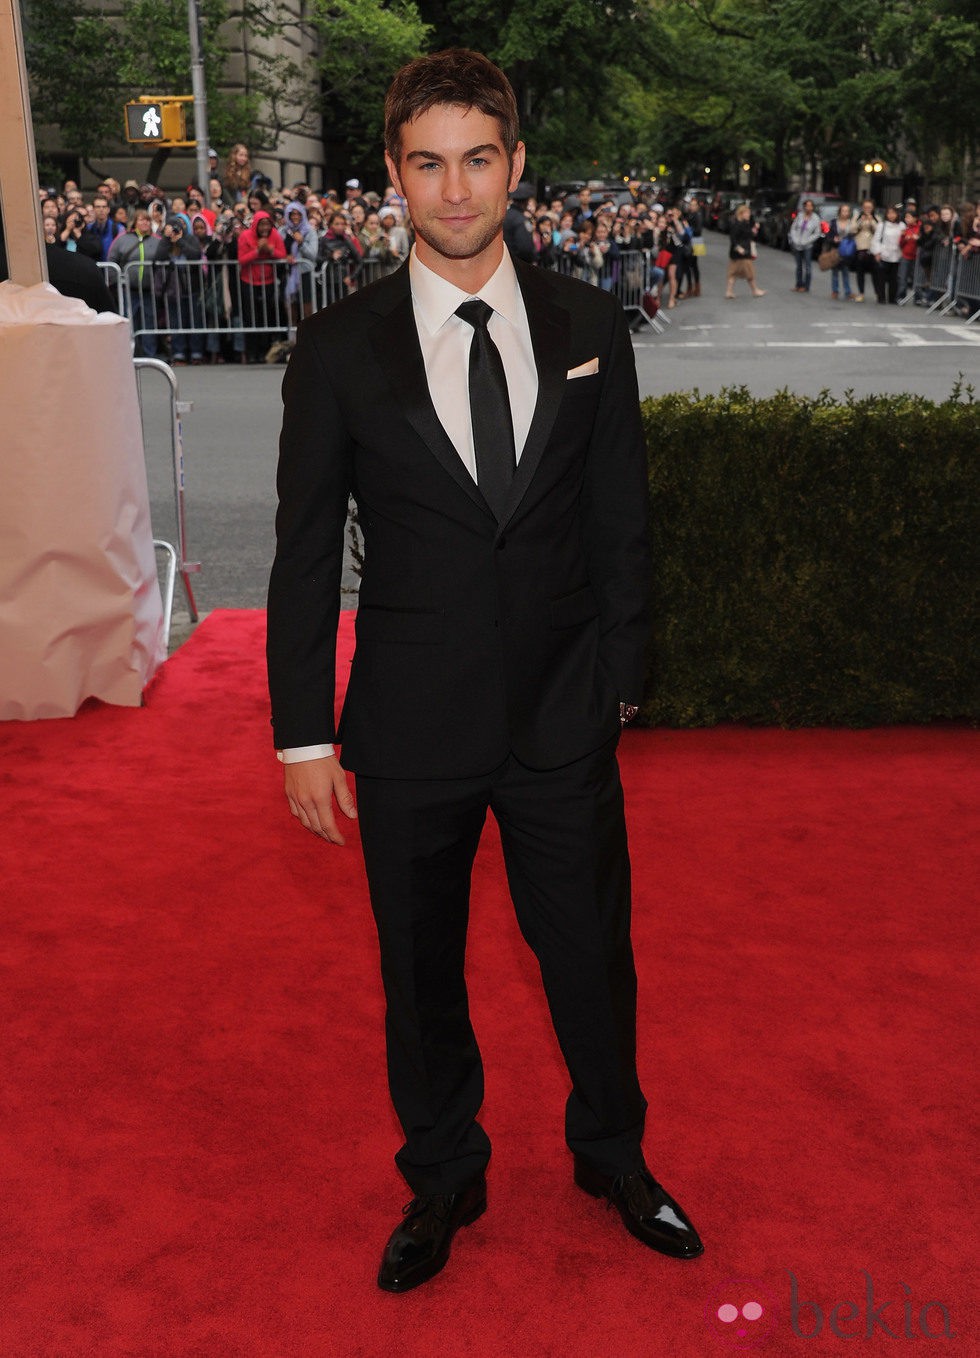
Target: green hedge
point(815, 561)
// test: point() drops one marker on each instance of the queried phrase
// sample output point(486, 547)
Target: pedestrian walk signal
point(161, 121)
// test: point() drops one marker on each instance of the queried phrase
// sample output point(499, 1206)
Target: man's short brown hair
point(454, 76)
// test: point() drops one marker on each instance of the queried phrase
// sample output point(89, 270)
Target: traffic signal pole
point(200, 96)
point(26, 260)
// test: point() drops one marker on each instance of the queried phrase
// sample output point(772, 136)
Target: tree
point(74, 60)
point(361, 44)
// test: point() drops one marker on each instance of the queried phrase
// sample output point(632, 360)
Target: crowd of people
point(293, 249)
point(906, 256)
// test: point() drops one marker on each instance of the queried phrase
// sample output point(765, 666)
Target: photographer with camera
point(75, 238)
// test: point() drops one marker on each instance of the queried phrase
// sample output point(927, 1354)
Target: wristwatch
point(627, 711)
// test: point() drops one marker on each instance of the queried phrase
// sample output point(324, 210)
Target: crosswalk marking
point(832, 335)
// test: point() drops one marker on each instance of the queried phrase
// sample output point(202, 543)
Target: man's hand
point(310, 790)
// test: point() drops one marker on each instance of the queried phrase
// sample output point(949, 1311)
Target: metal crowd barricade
point(627, 278)
point(177, 562)
point(944, 261)
point(112, 276)
point(967, 289)
point(629, 284)
point(915, 285)
point(192, 303)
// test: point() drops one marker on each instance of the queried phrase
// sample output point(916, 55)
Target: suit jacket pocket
point(406, 626)
point(571, 609)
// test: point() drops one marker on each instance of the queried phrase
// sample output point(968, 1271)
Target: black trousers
point(564, 841)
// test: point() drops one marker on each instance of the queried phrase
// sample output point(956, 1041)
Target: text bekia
point(845, 1319)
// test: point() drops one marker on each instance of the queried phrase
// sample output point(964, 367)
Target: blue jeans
point(804, 267)
point(144, 313)
point(906, 268)
point(838, 277)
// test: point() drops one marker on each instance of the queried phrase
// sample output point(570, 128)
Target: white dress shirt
point(445, 340)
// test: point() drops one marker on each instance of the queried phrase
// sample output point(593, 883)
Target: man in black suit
point(485, 416)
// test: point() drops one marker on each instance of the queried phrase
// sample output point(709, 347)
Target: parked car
point(766, 205)
point(784, 219)
point(719, 214)
point(617, 194)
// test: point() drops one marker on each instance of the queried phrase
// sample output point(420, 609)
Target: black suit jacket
point(474, 638)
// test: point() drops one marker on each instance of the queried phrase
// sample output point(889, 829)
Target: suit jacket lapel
point(396, 345)
point(550, 327)
point(397, 349)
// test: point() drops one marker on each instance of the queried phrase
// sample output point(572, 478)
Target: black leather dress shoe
point(420, 1246)
point(648, 1211)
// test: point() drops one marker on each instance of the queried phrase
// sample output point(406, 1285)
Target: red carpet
point(186, 973)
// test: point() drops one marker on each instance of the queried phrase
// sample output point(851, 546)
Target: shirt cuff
point(299, 754)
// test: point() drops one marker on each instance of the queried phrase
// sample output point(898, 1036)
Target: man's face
point(584, 196)
point(457, 179)
point(101, 209)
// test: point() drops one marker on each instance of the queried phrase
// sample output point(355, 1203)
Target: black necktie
point(493, 428)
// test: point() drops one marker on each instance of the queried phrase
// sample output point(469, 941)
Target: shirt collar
point(436, 299)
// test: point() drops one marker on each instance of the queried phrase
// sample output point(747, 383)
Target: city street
point(801, 342)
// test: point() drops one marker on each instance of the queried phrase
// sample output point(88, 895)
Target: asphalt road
point(784, 340)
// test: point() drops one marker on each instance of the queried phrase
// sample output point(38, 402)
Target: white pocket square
point(584, 369)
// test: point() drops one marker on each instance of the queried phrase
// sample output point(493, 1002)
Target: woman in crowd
point(341, 252)
point(302, 244)
point(259, 249)
point(545, 249)
point(587, 255)
point(609, 251)
point(395, 233)
point(314, 217)
point(864, 234)
point(674, 241)
point(135, 252)
point(886, 250)
point(841, 228)
point(238, 173)
point(741, 253)
point(73, 237)
point(925, 253)
point(211, 301)
point(377, 259)
point(565, 229)
point(908, 243)
point(804, 234)
point(689, 271)
point(946, 247)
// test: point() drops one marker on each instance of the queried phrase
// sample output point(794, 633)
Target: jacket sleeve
point(248, 247)
point(615, 500)
point(313, 482)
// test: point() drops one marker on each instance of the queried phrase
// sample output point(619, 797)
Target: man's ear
point(394, 175)
point(516, 167)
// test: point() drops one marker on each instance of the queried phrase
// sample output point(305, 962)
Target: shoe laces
point(439, 1204)
point(634, 1188)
